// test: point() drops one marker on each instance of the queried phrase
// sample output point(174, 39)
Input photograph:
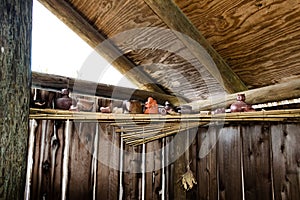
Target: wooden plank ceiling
point(159, 44)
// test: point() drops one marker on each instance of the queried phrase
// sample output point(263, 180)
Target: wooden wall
point(254, 161)
point(237, 161)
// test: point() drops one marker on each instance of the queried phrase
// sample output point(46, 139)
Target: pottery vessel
point(64, 102)
point(240, 105)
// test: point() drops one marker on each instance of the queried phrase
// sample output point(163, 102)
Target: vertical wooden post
point(15, 44)
point(65, 171)
point(33, 125)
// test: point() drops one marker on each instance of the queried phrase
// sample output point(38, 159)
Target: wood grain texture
point(132, 162)
point(114, 161)
point(114, 19)
point(15, 59)
point(178, 74)
point(103, 172)
point(286, 156)
point(272, 93)
point(269, 153)
point(256, 140)
point(176, 20)
point(153, 170)
point(56, 83)
point(207, 170)
point(229, 164)
point(193, 158)
point(81, 149)
point(179, 165)
point(258, 39)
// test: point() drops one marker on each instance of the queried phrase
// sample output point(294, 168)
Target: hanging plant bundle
point(188, 180)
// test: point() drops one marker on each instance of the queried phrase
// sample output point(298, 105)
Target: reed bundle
point(142, 128)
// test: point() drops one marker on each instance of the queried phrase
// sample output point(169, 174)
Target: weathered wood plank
point(30, 158)
point(47, 170)
point(45, 162)
point(168, 168)
point(207, 170)
point(114, 163)
point(37, 150)
point(150, 164)
point(103, 159)
point(286, 156)
point(229, 163)
point(56, 83)
point(64, 11)
point(277, 92)
point(176, 20)
point(41, 182)
point(81, 149)
point(179, 165)
point(193, 158)
point(58, 158)
point(153, 170)
point(257, 161)
point(132, 176)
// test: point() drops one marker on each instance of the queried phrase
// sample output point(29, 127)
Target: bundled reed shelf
point(136, 129)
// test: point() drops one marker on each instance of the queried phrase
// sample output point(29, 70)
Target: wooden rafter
point(56, 83)
point(93, 37)
point(169, 12)
point(272, 93)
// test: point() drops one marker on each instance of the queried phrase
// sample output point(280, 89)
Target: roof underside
point(193, 48)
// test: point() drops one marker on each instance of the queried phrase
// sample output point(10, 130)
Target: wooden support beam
point(71, 17)
point(15, 57)
point(56, 83)
point(169, 12)
point(272, 93)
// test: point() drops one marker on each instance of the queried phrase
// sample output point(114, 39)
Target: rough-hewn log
point(15, 44)
point(168, 11)
point(55, 82)
point(94, 38)
point(272, 93)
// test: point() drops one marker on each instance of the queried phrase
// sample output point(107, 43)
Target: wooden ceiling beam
point(52, 82)
point(176, 20)
point(66, 13)
point(273, 93)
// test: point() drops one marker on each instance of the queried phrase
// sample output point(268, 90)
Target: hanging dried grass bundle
point(188, 180)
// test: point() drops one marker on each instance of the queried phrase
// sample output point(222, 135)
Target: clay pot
point(151, 106)
point(64, 102)
point(240, 105)
point(133, 107)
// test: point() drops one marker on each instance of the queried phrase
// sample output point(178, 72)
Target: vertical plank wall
point(236, 161)
point(258, 161)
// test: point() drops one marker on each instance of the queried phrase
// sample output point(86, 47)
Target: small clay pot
point(151, 106)
point(240, 105)
point(133, 107)
point(64, 102)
